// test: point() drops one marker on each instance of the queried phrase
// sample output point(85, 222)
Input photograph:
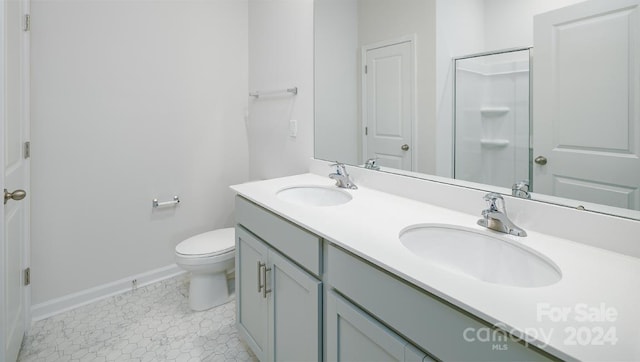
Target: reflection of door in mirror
point(388, 103)
point(587, 122)
point(491, 118)
point(14, 251)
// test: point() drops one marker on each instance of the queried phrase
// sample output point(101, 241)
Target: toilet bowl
point(208, 257)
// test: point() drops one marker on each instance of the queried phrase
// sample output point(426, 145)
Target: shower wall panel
point(492, 119)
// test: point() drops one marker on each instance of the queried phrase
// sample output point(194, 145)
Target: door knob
point(16, 195)
point(405, 147)
point(540, 160)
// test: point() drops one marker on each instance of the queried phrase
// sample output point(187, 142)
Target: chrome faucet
point(372, 164)
point(521, 189)
point(495, 217)
point(342, 177)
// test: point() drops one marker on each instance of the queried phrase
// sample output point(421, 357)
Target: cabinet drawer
point(292, 241)
point(434, 325)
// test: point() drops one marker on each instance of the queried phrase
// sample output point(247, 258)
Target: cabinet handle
point(264, 277)
point(260, 285)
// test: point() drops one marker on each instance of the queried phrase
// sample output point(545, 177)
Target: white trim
point(415, 145)
point(26, 127)
point(3, 342)
point(56, 306)
point(489, 74)
point(411, 39)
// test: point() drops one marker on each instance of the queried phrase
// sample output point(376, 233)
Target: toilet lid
point(210, 243)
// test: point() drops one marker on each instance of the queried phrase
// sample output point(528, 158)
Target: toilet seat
point(207, 245)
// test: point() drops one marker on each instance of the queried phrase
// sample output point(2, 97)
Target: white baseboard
point(56, 306)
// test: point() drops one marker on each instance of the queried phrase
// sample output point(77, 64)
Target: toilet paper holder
point(156, 204)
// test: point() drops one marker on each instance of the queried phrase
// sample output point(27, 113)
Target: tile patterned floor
point(153, 323)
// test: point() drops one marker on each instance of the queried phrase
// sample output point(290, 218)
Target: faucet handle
point(521, 189)
point(494, 199)
point(493, 196)
point(371, 164)
point(342, 177)
point(340, 168)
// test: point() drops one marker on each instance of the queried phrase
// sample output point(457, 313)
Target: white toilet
point(208, 256)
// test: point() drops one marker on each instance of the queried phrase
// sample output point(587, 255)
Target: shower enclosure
point(492, 117)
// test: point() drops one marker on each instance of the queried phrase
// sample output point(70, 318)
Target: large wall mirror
point(543, 95)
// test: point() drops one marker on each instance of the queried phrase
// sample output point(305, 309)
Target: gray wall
point(131, 100)
point(280, 56)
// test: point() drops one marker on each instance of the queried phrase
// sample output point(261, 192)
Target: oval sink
point(314, 195)
point(479, 255)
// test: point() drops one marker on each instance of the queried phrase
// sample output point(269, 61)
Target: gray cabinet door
point(251, 306)
point(352, 335)
point(282, 323)
point(295, 316)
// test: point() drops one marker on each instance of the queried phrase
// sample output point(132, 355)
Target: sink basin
point(314, 195)
point(480, 255)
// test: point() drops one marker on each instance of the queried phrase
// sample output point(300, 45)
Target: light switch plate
point(293, 128)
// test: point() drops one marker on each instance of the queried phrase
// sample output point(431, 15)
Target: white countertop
point(592, 279)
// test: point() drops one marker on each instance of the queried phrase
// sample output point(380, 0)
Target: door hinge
point(366, 69)
point(27, 149)
point(366, 131)
point(27, 22)
point(27, 276)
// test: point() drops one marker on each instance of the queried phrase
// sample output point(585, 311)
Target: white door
point(586, 121)
point(14, 237)
point(388, 104)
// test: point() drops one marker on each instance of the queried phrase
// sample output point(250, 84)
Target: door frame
point(25, 69)
point(412, 40)
point(26, 113)
point(3, 323)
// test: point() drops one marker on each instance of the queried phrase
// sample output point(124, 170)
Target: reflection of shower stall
point(492, 118)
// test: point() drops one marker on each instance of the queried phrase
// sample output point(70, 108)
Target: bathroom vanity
point(278, 285)
point(323, 274)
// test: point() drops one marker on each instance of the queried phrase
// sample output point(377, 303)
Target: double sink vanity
point(329, 273)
